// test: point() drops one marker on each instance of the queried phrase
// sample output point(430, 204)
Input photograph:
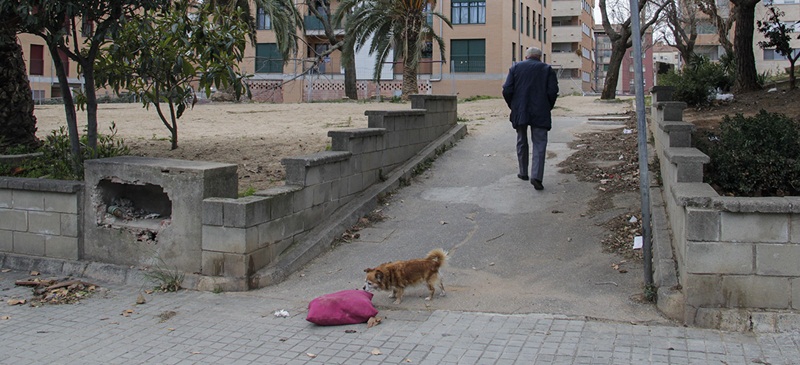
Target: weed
point(247, 192)
point(650, 293)
point(166, 280)
point(461, 119)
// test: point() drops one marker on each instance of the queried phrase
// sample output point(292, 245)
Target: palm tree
point(399, 25)
point(283, 14)
point(17, 122)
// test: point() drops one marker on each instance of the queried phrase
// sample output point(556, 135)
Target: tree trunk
point(746, 75)
point(612, 75)
point(17, 122)
point(91, 105)
point(350, 87)
point(69, 107)
point(792, 77)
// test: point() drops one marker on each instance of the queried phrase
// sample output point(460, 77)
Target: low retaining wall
point(733, 262)
point(192, 221)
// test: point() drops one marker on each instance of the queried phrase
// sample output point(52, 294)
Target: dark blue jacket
point(530, 91)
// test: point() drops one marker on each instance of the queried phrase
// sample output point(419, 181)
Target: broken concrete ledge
point(301, 253)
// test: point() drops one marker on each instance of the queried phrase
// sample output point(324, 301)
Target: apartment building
point(626, 81)
point(573, 44)
point(767, 60)
point(486, 39)
point(41, 72)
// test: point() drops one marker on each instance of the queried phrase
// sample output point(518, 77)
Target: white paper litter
point(637, 243)
point(633, 219)
point(281, 313)
point(627, 131)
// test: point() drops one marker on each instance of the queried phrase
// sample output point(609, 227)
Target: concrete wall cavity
point(736, 259)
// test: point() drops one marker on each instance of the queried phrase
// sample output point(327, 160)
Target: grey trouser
point(539, 141)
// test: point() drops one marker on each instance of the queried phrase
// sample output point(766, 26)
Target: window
point(540, 26)
point(468, 55)
point(468, 12)
point(544, 30)
point(705, 27)
point(87, 28)
point(528, 20)
point(37, 60)
point(771, 55)
point(427, 50)
point(513, 14)
point(513, 52)
point(263, 21)
point(534, 24)
point(268, 59)
point(585, 53)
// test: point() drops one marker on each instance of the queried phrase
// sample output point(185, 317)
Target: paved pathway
point(240, 328)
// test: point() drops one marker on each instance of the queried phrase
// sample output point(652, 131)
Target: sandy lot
point(256, 136)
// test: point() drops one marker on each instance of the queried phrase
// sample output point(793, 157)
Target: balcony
point(567, 34)
point(567, 59)
point(566, 8)
point(315, 27)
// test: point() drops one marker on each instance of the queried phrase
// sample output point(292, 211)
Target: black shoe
point(537, 184)
point(522, 177)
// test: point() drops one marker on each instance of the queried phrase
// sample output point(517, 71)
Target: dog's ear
point(379, 275)
point(368, 270)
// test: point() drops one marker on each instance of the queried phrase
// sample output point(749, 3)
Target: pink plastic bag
point(343, 307)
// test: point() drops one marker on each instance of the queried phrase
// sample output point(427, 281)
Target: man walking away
point(530, 91)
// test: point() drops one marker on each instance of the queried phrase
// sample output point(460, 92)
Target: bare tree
point(620, 35)
point(681, 21)
point(722, 18)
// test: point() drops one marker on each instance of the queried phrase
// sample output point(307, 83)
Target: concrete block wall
point(737, 258)
point(244, 236)
point(40, 217)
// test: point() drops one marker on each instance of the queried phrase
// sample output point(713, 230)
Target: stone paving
point(190, 327)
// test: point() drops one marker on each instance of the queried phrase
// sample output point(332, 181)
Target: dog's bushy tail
point(439, 255)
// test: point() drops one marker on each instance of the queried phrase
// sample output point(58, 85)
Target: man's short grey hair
point(533, 52)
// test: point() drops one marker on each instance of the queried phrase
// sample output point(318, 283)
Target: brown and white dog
point(397, 275)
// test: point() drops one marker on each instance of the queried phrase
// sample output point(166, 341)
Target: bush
point(56, 161)
point(697, 82)
point(755, 156)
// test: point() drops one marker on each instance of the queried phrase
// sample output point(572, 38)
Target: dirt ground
point(255, 136)
point(748, 104)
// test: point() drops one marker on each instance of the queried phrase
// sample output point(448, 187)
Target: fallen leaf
point(373, 321)
point(376, 352)
point(140, 299)
point(491, 264)
point(442, 222)
point(16, 301)
point(407, 360)
point(5, 270)
point(311, 355)
point(623, 271)
point(170, 329)
point(5, 318)
point(34, 273)
point(349, 331)
point(196, 352)
point(148, 291)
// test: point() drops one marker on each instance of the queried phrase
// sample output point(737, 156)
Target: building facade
point(573, 45)
point(626, 81)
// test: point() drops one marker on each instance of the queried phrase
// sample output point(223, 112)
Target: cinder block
point(213, 263)
point(246, 212)
point(754, 227)
point(702, 290)
point(778, 259)
point(302, 200)
point(227, 239)
point(6, 241)
point(719, 258)
point(273, 231)
point(355, 184)
point(322, 193)
point(69, 225)
point(794, 235)
point(61, 203)
point(27, 200)
point(281, 205)
point(314, 175)
point(44, 222)
point(61, 247)
point(213, 209)
point(702, 225)
point(5, 198)
point(29, 243)
point(707, 317)
point(795, 293)
point(107, 272)
point(13, 220)
point(332, 171)
point(756, 292)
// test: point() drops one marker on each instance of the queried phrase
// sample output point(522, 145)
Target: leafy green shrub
point(56, 161)
point(755, 156)
point(696, 83)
